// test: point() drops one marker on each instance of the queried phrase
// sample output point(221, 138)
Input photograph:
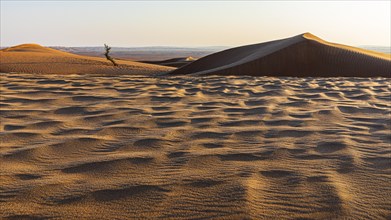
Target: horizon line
point(170, 46)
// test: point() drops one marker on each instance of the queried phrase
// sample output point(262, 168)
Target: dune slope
point(302, 55)
point(33, 58)
point(173, 62)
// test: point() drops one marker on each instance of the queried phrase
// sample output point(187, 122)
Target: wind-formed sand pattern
point(239, 147)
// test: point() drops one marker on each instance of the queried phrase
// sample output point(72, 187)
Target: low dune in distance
point(174, 62)
point(33, 58)
point(304, 55)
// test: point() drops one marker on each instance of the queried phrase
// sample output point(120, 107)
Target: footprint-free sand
point(239, 147)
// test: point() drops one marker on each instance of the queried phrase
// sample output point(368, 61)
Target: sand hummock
point(216, 147)
point(33, 58)
point(304, 55)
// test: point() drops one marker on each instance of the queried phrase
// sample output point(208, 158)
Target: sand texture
point(33, 58)
point(304, 55)
point(194, 148)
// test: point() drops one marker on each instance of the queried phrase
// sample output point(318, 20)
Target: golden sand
point(33, 58)
point(183, 148)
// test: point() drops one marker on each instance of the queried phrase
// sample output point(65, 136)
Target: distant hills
point(378, 49)
point(145, 53)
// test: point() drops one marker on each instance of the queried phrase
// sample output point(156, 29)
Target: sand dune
point(33, 58)
point(173, 62)
point(304, 55)
point(202, 147)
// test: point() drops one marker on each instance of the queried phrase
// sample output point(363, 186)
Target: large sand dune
point(302, 55)
point(194, 148)
point(33, 58)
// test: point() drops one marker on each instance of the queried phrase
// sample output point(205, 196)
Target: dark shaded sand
point(304, 55)
point(217, 147)
point(174, 62)
point(33, 58)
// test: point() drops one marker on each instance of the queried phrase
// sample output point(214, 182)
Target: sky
point(191, 23)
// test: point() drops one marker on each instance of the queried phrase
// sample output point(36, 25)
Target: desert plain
point(81, 139)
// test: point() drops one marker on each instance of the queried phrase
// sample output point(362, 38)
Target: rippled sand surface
point(80, 146)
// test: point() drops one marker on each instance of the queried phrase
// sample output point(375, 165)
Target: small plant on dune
point(108, 57)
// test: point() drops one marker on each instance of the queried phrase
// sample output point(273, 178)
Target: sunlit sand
point(82, 139)
point(33, 58)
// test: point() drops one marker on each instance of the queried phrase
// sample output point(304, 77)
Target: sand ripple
point(77, 147)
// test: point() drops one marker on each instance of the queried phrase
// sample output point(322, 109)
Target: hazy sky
point(191, 23)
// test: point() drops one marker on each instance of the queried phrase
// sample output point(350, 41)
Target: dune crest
point(32, 48)
point(34, 58)
point(310, 36)
point(304, 55)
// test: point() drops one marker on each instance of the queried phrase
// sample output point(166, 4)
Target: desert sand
point(173, 62)
point(33, 58)
point(304, 55)
point(236, 147)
